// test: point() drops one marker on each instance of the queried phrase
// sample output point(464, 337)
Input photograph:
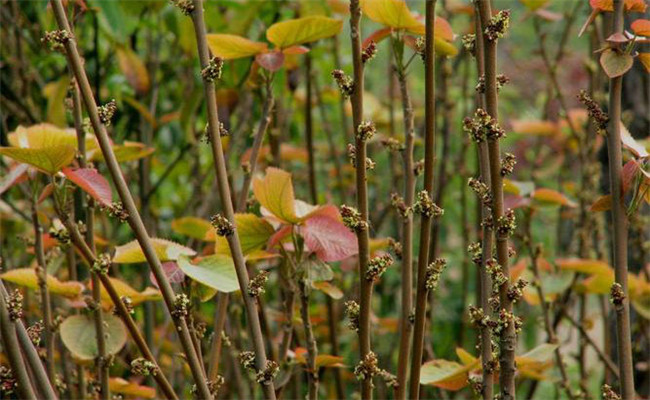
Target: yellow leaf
point(550, 196)
point(585, 266)
point(56, 92)
point(254, 232)
point(48, 159)
point(128, 151)
point(645, 60)
point(465, 357)
point(302, 30)
point(230, 47)
point(392, 13)
point(124, 387)
point(123, 289)
point(275, 193)
point(534, 127)
point(133, 69)
point(166, 250)
point(193, 227)
point(27, 277)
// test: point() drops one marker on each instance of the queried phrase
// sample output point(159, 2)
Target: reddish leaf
point(91, 182)
point(608, 5)
point(641, 27)
point(271, 61)
point(329, 238)
point(173, 273)
point(377, 36)
point(603, 203)
point(295, 50)
point(47, 191)
point(628, 173)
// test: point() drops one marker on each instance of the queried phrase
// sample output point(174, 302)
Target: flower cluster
point(478, 318)
point(34, 333)
point(128, 304)
point(599, 117)
point(212, 72)
point(56, 39)
point(395, 247)
point(418, 167)
point(469, 43)
point(366, 130)
point(505, 320)
point(117, 210)
point(367, 368)
point(247, 360)
point(352, 311)
point(425, 206)
point(344, 82)
point(101, 264)
point(222, 225)
point(482, 127)
point(507, 224)
point(15, 305)
point(475, 250)
point(8, 383)
point(369, 52)
point(213, 387)
point(352, 219)
point(400, 206)
point(420, 47)
point(256, 285)
point(482, 191)
point(142, 366)
point(377, 266)
point(107, 111)
point(617, 295)
point(508, 164)
point(61, 234)
point(181, 306)
point(434, 270)
point(186, 6)
point(352, 156)
point(516, 290)
point(265, 376)
point(497, 26)
point(609, 393)
point(392, 144)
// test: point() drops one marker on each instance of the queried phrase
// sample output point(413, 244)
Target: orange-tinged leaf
point(254, 232)
point(126, 388)
point(302, 30)
point(47, 159)
point(550, 196)
point(535, 127)
point(166, 250)
point(445, 374)
point(80, 337)
point(133, 69)
point(27, 277)
point(641, 27)
point(193, 227)
point(645, 60)
point(124, 289)
point(230, 47)
point(585, 266)
point(614, 63)
point(91, 182)
point(465, 357)
point(328, 288)
point(608, 5)
point(603, 203)
point(275, 194)
point(536, 361)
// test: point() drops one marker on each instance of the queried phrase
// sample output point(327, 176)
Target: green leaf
point(302, 30)
point(48, 159)
point(216, 271)
point(615, 63)
point(315, 270)
point(230, 47)
point(193, 227)
point(80, 337)
point(131, 253)
point(254, 232)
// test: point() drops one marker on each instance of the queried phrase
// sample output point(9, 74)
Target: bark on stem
point(619, 222)
point(226, 200)
point(134, 220)
point(425, 222)
point(365, 287)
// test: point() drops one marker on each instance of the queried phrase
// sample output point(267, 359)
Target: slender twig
point(226, 200)
point(609, 363)
point(365, 286)
point(619, 224)
point(426, 219)
point(312, 351)
point(134, 219)
point(309, 131)
point(11, 348)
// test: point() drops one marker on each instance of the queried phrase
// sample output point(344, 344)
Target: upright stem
point(485, 282)
point(365, 286)
point(309, 131)
point(508, 337)
point(619, 222)
point(426, 220)
point(226, 200)
point(312, 350)
point(75, 63)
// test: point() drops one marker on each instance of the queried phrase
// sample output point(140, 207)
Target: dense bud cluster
point(478, 318)
point(186, 6)
point(142, 366)
point(377, 266)
point(506, 224)
point(418, 167)
point(598, 116)
point(247, 360)
point(128, 304)
point(395, 247)
point(60, 233)
point(222, 225)
point(369, 52)
point(213, 387)
point(181, 306)
point(344, 82)
point(617, 296)
point(101, 264)
point(434, 270)
point(367, 368)
point(497, 26)
point(609, 393)
point(505, 320)
point(508, 163)
point(56, 39)
point(15, 305)
point(392, 144)
point(482, 191)
point(352, 311)
point(469, 43)
point(420, 47)
point(482, 127)
point(366, 130)
point(256, 285)
point(389, 379)
point(265, 376)
point(352, 156)
point(516, 290)
point(475, 251)
point(8, 383)
point(425, 206)
point(34, 333)
point(107, 111)
point(397, 202)
point(117, 210)
point(212, 72)
point(352, 219)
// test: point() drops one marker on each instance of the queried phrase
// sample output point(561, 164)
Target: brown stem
point(309, 131)
point(508, 337)
point(425, 221)
point(611, 366)
point(365, 287)
point(225, 197)
point(134, 219)
point(312, 350)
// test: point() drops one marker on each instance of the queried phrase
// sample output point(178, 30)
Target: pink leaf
point(91, 182)
point(173, 273)
point(271, 61)
point(329, 238)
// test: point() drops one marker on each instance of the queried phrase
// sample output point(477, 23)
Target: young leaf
point(448, 375)
point(47, 159)
point(131, 253)
point(614, 63)
point(302, 30)
point(131, 389)
point(133, 69)
point(327, 288)
point(193, 227)
point(271, 61)
point(329, 238)
point(535, 127)
point(392, 13)
point(91, 182)
point(127, 151)
point(550, 196)
point(230, 47)
point(56, 92)
point(79, 336)
point(641, 27)
point(275, 194)
point(27, 277)
point(603, 203)
point(123, 289)
point(645, 61)
point(254, 232)
point(216, 271)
